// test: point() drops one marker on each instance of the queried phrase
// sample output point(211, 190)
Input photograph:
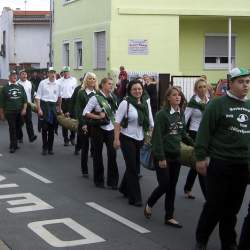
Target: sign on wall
point(137, 47)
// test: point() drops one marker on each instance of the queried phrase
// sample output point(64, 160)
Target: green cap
point(238, 72)
point(66, 69)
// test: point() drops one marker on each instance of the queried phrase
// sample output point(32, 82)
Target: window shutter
point(100, 50)
point(217, 46)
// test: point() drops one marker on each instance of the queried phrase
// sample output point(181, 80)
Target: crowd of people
point(218, 128)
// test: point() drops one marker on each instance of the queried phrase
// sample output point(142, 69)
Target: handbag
point(146, 157)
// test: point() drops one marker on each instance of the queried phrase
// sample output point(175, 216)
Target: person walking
point(67, 86)
point(48, 102)
point(168, 133)
point(27, 119)
point(193, 115)
point(104, 105)
point(133, 119)
point(87, 90)
point(223, 136)
point(13, 105)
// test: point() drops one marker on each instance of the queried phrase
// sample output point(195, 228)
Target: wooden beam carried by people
point(66, 122)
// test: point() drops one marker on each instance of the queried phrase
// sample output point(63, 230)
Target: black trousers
point(27, 119)
point(66, 109)
point(130, 185)
point(48, 132)
point(83, 144)
point(167, 180)
point(101, 136)
point(15, 123)
point(244, 243)
point(193, 173)
point(191, 179)
point(226, 185)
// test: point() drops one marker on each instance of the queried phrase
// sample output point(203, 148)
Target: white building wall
point(32, 44)
point(6, 24)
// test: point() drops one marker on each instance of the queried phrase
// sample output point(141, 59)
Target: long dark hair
point(130, 85)
point(169, 92)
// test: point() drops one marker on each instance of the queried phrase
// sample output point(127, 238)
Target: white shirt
point(94, 105)
point(48, 91)
point(67, 86)
point(133, 130)
point(27, 85)
point(195, 115)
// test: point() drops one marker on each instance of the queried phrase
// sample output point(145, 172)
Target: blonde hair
point(197, 83)
point(84, 82)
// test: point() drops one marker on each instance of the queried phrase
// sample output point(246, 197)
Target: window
point(78, 55)
point(216, 52)
point(66, 54)
point(100, 50)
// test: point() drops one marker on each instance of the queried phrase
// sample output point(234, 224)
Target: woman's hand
point(201, 167)
point(85, 129)
point(163, 164)
point(116, 144)
point(102, 115)
point(40, 112)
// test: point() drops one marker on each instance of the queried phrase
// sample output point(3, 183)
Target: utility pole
point(50, 33)
point(25, 5)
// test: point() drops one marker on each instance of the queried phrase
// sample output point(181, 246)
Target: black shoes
point(200, 246)
point(135, 203)
point(232, 247)
point(100, 185)
point(85, 175)
point(72, 141)
point(33, 138)
point(114, 187)
point(44, 152)
point(174, 223)
point(50, 152)
point(66, 143)
point(12, 150)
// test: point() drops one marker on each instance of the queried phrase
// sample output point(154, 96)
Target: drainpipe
point(229, 43)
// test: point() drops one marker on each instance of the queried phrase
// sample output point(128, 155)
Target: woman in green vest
point(100, 112)
point(87, 90)
point(169, 131)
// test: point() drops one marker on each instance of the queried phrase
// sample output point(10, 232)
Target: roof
point(30, 13)
point(29, 17)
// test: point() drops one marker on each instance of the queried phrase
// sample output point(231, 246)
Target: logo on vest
point(242, 118)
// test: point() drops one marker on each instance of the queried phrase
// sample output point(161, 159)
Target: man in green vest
point(13, 105)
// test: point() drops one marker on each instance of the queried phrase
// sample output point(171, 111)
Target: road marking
point(118, 218)
point(88, 237)
point(10, 185)
point(26, 198)
point(1, 155)
point(37, 176)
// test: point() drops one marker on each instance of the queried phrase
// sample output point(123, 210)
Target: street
point(58, 208)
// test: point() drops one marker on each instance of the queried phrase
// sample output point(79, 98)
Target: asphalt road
point(62, 210)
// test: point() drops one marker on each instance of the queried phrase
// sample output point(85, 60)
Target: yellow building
point(181, 37)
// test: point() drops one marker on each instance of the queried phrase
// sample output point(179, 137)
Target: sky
point(31, 4)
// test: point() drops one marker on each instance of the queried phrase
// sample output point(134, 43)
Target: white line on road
point(118, 218)
point(1, 155)
point(37, 176)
